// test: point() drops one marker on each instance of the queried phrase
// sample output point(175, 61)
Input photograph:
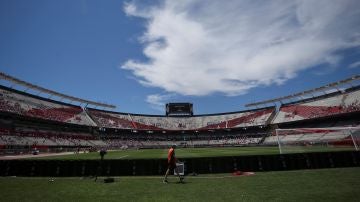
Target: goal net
point(300, 140)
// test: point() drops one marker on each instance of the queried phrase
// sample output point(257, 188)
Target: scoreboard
point(179, 109)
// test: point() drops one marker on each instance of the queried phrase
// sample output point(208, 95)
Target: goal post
point(298, 140)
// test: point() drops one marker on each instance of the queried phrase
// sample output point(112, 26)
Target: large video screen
point(179, 109)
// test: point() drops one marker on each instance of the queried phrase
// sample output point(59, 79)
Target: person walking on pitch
point(171, 164)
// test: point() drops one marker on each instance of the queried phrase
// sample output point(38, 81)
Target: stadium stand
point(244, 140)
point(24, 140)
point(316, 137)
point(29, 121)
point(29, 137)
point(13, 101)
point(109, 119)
point(338, 103)
point(309, 136)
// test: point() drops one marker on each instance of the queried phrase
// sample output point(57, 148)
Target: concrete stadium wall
point(62, 168)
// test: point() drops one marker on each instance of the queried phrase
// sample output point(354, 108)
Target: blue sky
point(219, 55)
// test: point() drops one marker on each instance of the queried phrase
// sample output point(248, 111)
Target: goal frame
point(350, 129)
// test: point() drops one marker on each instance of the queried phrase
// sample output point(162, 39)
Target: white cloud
point(130, 9)
point(355, 65)
point(158, 101)
point(202, 47)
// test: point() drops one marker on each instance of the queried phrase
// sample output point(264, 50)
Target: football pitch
point(337, 184)
point(193, 152)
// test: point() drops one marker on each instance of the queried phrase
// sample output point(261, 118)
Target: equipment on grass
point(180, 167)
point(297, 140)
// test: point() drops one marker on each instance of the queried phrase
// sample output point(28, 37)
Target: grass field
point(193, 152)
point(340, 184)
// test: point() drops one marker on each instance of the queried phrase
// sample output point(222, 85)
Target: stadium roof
point(300, 95)
point(51, 92)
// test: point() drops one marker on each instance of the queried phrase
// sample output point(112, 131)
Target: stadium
point(42, 137)
point(129, 100)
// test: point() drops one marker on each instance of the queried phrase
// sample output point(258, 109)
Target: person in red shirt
point(171, 164)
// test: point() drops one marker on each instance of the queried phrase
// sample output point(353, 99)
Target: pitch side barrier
point(141, 167)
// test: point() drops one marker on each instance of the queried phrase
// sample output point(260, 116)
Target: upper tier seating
point(205, 122)
point(23, 104)
point(323, 107)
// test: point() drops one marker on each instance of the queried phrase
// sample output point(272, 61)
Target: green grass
point(341, 184)
point(193, 152)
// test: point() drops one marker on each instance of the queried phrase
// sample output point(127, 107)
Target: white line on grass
point(123, 156)
point(161, 177)
point(192, 177)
